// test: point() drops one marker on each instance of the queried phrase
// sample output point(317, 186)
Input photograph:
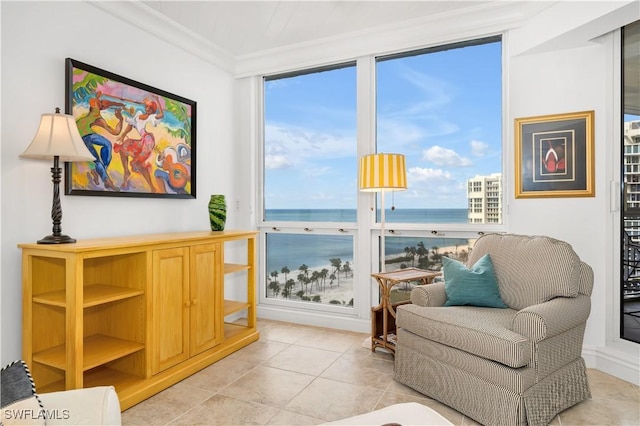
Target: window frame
point(366, 229)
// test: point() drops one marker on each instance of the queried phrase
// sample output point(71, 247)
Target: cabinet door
point(170, 308)
point(206, 297)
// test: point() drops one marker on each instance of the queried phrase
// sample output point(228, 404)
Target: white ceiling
point(240, 28)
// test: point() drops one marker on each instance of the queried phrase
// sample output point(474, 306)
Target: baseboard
point(612, 361)
point(317, 319)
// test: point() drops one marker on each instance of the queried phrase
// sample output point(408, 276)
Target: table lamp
point(57, 138)
point(381, 173)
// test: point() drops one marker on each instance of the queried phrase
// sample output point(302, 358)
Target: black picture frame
point(554, 156)
point(143, 138)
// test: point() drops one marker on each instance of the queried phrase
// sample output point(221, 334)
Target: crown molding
point(561, 28)
point(481, 20)
point(142, 16)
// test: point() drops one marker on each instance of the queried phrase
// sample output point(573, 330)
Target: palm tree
point(435, 256)
point(346, 269)
point(286, 292)
point(274, 287)
point(306, 281)
point(407, 250)
point(323, 274)
point(411, 252)
point(285, 270)
point(315, 277)
point(421, 251)
point(336, 262)
point(288, 287)
point(305, 269)
point(274, 275)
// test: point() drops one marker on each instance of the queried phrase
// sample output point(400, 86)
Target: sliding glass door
point(630, 273)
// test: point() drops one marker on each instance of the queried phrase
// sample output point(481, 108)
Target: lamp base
point(57, 239)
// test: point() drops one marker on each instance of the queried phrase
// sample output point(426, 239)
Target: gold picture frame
point(554, 155)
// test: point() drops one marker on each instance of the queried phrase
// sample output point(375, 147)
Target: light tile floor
point(300, 375)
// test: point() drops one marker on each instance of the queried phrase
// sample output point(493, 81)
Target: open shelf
point(101, 376)
point(232, 306)
point(101, 312)
point(234, 267)
point(94, 295)
point(98, 350)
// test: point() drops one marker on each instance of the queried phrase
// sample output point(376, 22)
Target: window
point(309, 177)
point(441, 108)
point(310, 146)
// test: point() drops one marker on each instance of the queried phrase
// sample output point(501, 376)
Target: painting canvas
point(143, 139)
point(554, 156)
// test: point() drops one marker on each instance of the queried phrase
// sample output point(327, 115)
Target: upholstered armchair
point(519, 364)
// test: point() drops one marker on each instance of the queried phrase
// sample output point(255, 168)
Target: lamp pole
point(56, 208)
point(383, 261)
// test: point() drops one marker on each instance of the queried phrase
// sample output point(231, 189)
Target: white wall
point(36, 39)
point(546, 75)
point(574, 75)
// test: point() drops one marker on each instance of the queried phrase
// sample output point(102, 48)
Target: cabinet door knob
point(187, 304)
point(194, 302)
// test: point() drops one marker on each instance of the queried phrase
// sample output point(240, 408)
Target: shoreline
point(338, 291)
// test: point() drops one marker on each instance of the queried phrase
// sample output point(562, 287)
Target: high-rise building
point(484, 196)
point(632, 178)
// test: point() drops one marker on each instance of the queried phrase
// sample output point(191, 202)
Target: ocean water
point(349, 215)
point(293, 250)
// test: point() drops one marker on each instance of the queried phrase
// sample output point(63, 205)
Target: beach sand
point(342, 290)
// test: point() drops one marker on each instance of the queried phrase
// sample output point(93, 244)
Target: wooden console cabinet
point(140, 313)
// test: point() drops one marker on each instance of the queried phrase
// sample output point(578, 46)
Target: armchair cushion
point(475, 286)
point(480, 331)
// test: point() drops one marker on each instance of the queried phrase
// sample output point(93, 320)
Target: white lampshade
point(379, 172)
point(58, 135)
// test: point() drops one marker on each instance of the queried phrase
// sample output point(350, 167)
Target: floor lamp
point(57, 139)
point(381, 173)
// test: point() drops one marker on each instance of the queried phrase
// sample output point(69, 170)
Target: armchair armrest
point(551, 318)
point(429, 295)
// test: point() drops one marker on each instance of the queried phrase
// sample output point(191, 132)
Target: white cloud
point(276, 162)
point(479, 148)
point(428, 186)
point(419, 175)
point(316, 172)
point(445, 157)
point(298, 143)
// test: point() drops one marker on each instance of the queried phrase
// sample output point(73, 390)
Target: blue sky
point(441, 110)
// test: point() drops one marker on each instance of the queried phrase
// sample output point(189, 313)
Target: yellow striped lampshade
point(379, 172)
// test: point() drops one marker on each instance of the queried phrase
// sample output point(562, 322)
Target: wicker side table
point(383, 316)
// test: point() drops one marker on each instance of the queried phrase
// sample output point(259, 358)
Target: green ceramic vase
point(217, 212)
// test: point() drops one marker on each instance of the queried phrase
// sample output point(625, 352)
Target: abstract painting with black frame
point(143, 139)
point(554, 156)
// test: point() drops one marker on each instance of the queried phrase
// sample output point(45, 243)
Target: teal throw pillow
point(475, 287)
